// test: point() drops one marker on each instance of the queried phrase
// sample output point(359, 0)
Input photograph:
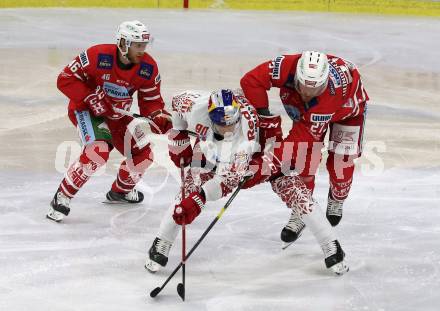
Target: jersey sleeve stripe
point(148, 90)
point(152, 98)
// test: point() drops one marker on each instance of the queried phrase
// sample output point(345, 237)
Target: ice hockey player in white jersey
point(227, 136)
point(230, 137)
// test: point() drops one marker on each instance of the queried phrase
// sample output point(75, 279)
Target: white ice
point(94, 259)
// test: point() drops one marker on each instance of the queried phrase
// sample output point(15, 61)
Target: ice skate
point(292, 231)
point(59, 207)
point(133, 196)
point(334, 211)
point(158, 255)
point(334, 257)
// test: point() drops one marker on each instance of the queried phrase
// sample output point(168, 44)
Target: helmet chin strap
point(124, 53)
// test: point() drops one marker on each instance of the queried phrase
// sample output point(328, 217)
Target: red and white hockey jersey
point(344, 97)
point(99, 66)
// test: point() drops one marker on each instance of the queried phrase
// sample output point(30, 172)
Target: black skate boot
point(334, 257)
point(334, 210)
point(292, 231)
point(59, 207)
point(133, 196)
point(158, 255)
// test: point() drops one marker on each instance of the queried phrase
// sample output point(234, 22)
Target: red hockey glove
point(98, 103)
point(162, 122)
point(190, 207)
point(179, 147)
point(262, 167)
point(270, 128)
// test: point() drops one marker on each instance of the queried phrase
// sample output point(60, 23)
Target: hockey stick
point(157, 290)
point(147, 119)
point(181, 286)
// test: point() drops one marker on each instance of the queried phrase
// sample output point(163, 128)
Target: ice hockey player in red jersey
point(319, 92)
point(230, 136)
point(102, 78)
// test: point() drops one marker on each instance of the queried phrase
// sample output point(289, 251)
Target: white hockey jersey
point(227, 158)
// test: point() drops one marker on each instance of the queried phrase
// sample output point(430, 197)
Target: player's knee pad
point(94, 156)
point(139, 160)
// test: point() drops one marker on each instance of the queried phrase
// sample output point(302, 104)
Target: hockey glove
point(161, 121)
point(179, 147)
point(262, 167)
point(189, 208)
point(270, 128)
point(99, 104)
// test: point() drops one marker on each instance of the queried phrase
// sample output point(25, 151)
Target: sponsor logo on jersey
point(247, 114)
point(85, 127)
point(84, 59)
point(116, 91)
point(316, 117)
point(319, 123)
point(332, 87)
point(105, 61)
point(334, 76)
point(275, 65)
point(118, 81)
point(146, 71)
point(344, 139)
point(338, 76)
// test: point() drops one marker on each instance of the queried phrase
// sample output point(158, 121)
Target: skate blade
point(54, 217)
point(340, 268)
point(116, 202)
point(286, 245)
point(152, 266)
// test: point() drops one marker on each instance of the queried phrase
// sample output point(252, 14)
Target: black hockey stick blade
point(155, 292)
point(181, 291)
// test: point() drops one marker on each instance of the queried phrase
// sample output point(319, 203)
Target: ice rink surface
point(94, 259)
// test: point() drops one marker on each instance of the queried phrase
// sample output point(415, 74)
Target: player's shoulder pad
point(183, 102)
point(148, 69)
point(281, 65)
point(343, 73)
point(101, 56)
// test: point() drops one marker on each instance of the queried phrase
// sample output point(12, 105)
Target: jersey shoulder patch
point(105, 61)
point(84, 59)
point(146, 70)
point(275, 67)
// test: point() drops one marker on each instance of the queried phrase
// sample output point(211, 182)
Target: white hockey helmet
point(132, 31)
point(312, 70)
